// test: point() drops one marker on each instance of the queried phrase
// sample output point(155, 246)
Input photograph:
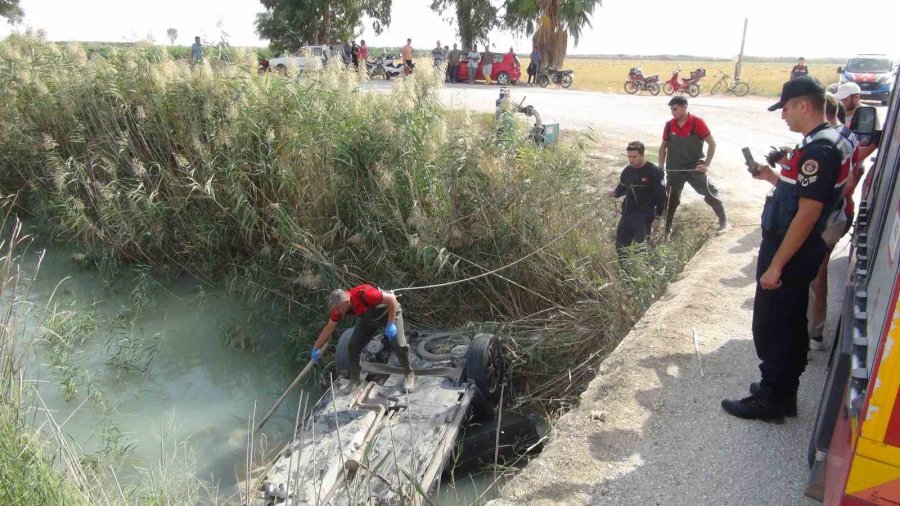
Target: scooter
point(690, 85)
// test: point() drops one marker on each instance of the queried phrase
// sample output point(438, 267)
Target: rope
point(488, 273)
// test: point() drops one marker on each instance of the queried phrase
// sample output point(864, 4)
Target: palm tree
point(550, 23)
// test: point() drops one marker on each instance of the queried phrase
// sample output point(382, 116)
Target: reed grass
point(284, 188)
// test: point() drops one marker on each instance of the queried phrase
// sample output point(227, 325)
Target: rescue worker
point(806, 189)
point(681, 155)
point(641, 183)
point(373, 308)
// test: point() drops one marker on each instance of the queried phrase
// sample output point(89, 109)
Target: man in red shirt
point(681, 155)
point(374, 308)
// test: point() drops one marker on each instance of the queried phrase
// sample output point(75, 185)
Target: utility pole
point(740, 62)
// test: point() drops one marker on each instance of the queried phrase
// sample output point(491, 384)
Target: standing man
point(488, 66)
point(800, 68)
point(374, 308)
point(848, 94)
point(645, 198)
point(453, 63)
point(837, 224)
point(473, 58)
point(407, 55)
point(363, 50)
point(534, 66)
point(790, 253)
point(437, 54)
point(196, 51)
point(681, 155)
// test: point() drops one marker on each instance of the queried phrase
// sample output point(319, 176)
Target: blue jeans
point(472, 70)
point(452, 71)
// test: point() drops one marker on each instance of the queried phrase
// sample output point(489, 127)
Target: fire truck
point(854, 452)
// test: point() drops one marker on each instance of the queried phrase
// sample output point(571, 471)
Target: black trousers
point(779, 316)
point(633, 228)
point(700, 183)
point(366, 326)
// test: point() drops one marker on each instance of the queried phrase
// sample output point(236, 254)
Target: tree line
point(289, 24)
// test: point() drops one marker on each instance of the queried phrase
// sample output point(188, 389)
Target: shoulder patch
point(809, 167)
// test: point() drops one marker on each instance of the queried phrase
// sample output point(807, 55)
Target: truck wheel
point(343, 362)
point(485, 366)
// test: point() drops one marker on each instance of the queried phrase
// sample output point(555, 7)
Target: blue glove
point(315, 355)
point(391, 331)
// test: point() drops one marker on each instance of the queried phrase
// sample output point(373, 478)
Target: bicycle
point(738, 88)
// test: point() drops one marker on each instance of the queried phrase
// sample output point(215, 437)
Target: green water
point(192, 402)
point(149, 377)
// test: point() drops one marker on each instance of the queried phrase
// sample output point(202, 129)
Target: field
point(608, 75)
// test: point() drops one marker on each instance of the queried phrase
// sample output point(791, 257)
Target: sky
point(810, 28)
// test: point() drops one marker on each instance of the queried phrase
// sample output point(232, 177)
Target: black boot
point(788, 402)
point(758, 406)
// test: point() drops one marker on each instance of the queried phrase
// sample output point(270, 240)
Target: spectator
point(473, 58)
point(196, 51)
point(363, 50)
point(510, 58)
point(488, 66)
point(534, 66)
point(641, 183)
point(354, 54)
point(453, 60)
point(437, 54)
point(848, 94)
point(347, 52)
point(799, 69)
point(407, 55)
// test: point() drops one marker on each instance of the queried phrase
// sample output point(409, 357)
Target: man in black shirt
point(807, 189)
point(645, 197)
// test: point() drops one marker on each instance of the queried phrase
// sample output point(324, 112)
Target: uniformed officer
point(374, 308)
point(807, 189)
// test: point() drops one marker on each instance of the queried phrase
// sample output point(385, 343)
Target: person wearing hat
point(681, 155)
point(800, 69)
point(848, 94)
point(373, 308)
point(807, 188)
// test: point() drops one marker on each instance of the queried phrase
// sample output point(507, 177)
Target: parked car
point(505, 70)
point(296, 61)
point(874, 73)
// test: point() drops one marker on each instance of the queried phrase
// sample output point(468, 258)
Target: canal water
point(154, 373)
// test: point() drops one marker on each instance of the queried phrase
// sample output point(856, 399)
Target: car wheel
point(502, 78)
point(485, 366)
point(342, 359)
point(281, 69)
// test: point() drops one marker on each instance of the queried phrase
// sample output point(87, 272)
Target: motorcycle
point(637, 81)
point(690, 85)
point(558, 77)
point(386, 66)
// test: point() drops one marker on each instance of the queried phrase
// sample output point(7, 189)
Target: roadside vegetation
point(286, 188)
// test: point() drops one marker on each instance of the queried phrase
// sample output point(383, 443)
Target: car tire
point(342, 360)
point(485, 366)
point(503, 78)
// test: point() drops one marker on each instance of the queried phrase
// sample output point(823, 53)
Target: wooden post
point(738, 66)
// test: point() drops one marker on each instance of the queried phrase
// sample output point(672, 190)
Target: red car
point(506, 69)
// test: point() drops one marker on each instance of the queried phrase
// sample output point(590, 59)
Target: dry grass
point(608, 75)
